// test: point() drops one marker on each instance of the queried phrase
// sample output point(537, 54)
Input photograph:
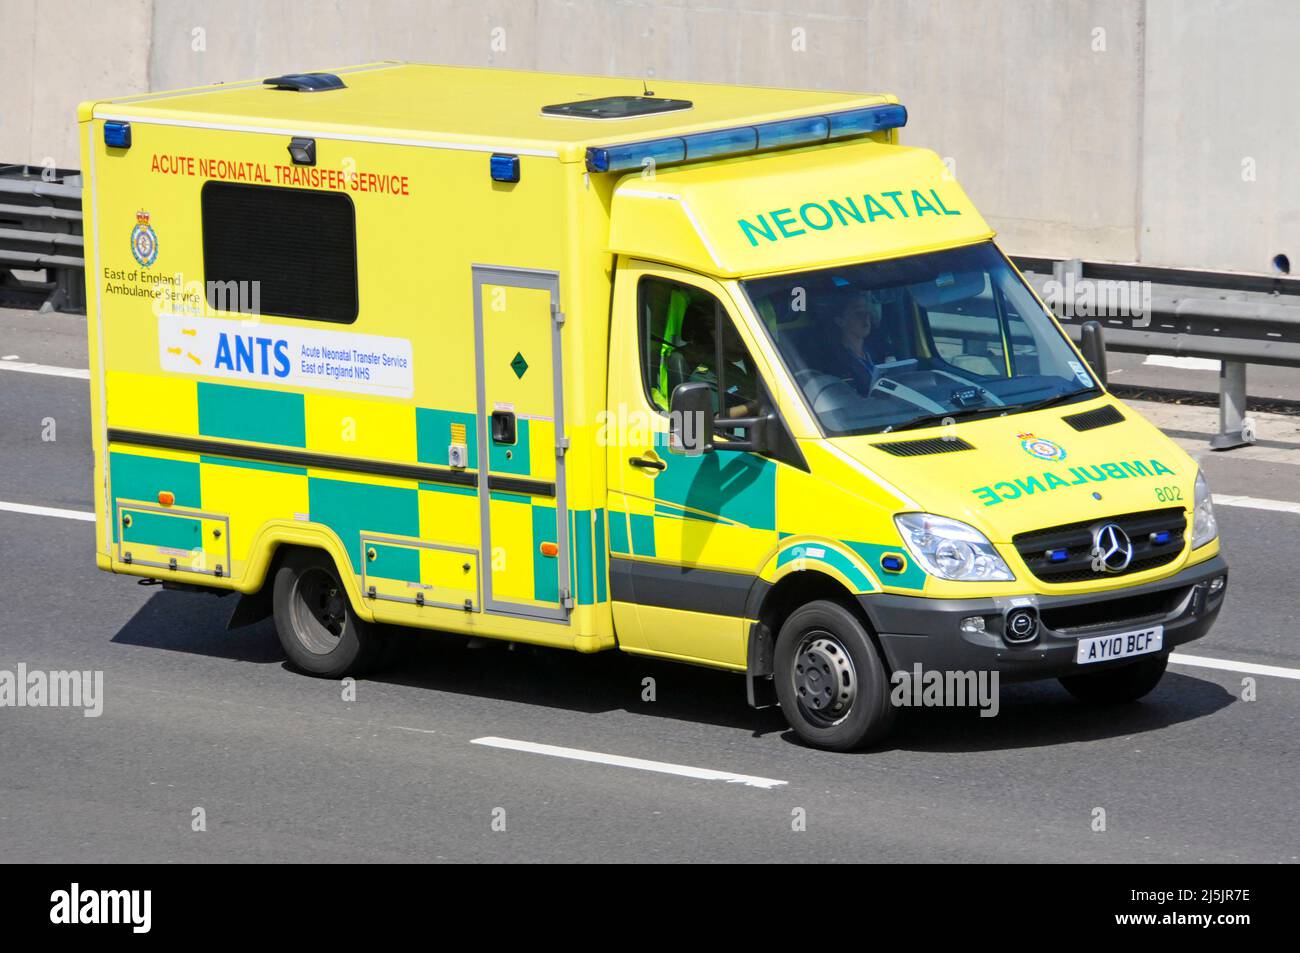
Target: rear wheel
point(1117, 685)
point(830, 679)
point(318, 629)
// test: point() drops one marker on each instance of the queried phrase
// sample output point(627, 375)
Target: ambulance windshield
point(907, 343)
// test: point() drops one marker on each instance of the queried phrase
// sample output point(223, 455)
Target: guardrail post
point(1232, 408)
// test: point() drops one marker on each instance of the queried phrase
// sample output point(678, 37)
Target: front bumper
point(927, 632)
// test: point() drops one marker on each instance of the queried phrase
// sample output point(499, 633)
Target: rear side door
point(521, 488)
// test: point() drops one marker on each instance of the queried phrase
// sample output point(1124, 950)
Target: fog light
point(973, 623)
point(1217, 583)
point(1022, 625)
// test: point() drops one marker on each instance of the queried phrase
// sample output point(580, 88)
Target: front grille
point(1101, 613)
point(1076, 540)
point(921, 448)
point(1092, 419)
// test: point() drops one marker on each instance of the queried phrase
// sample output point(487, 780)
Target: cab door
point(521, 483)
point(688, 535)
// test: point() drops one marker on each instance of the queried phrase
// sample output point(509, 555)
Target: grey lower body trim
point(927, 632)
point(670, 586)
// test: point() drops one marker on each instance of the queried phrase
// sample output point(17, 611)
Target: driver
point(851, 361)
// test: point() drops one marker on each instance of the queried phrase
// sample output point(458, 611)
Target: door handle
point(647, 463)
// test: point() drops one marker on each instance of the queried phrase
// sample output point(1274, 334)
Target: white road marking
point(422, 731)
point(47, 511)
point(47, 369)
point(1186, 363)
point(1228, 665)
point(1255, 503)
point(618, 761)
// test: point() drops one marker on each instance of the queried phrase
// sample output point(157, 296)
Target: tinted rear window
point(300, 246)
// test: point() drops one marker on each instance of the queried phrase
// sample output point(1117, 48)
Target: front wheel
point(1117, 685)
point(318, 629)
point(830, 679)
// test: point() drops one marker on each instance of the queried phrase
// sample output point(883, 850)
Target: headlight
point(951, 550)
point(1204, 525)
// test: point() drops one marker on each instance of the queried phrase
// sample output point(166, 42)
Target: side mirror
point(1092, 342)
point(690, 419)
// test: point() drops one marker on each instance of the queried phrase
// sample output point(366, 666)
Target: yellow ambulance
point(709, 373)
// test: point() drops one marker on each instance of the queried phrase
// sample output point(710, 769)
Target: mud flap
point(251, 607)
point(759, 689)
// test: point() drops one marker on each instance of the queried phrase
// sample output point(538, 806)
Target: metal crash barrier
point(40, 231)
point(1236, 318)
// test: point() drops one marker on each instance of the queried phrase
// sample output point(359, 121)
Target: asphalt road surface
point(284, 768)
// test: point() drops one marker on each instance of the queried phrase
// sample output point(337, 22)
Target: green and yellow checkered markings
point(401, 563)
point(163, 530)
point(587, 556)
point(619, 543)
point(643, 534)
point(437, 430)
point(739, 487)
point(252, 414)
point(141, 478)
point(546, 569)
point(254, 492)
point(349, 508)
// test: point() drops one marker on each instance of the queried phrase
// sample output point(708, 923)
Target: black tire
point(318, 629)
point(824, 659)
point(1117, 685)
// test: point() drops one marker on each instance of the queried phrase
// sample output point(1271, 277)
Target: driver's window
point(687, 336)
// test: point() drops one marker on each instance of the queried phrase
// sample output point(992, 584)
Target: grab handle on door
point(503, 426)
point(647, 463)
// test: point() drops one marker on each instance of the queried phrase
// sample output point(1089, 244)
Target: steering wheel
point(825, 392)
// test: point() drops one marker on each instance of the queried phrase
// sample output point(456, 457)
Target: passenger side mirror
point(692, 425)
point(690, 419)
point(1092, 342)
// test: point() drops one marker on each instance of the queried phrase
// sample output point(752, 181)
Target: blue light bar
point(1160, 538)
point(1058, 555)
point(504, 168)
point(862, 122)
point(117, 135)
point(635, 155)
point(744, 140)
point(892, 563)
point(793, 132)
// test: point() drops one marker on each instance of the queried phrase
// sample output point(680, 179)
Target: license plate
point(1103, 648)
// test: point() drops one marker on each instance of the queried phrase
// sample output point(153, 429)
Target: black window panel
point(300, 245)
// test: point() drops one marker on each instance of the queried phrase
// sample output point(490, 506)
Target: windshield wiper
point(928, 420)
point(1050, 401)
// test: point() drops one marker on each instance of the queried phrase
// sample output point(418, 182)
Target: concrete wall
point(1131, 130)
